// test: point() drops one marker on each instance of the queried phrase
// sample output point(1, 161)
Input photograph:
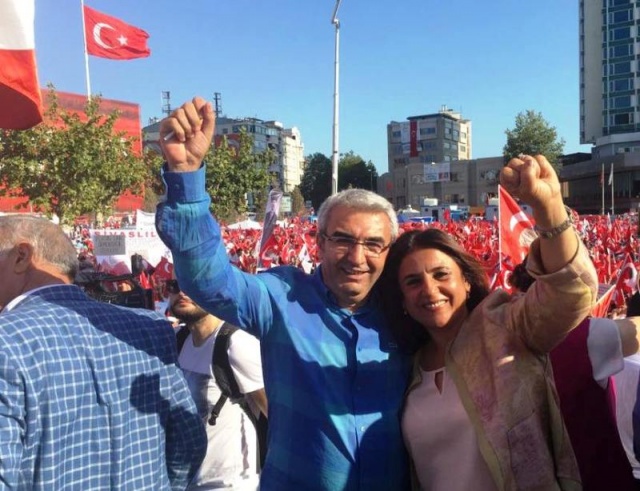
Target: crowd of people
point(384, 356)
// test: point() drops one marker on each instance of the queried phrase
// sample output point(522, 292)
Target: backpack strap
point(220, 363)
point(228, 385)
point(222, 371)
point(181, 337)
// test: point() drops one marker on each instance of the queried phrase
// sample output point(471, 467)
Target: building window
point(463, 148)
point(620, 51)
point(428, 131)
point(620, 33)
point(621, 85)
point(456, 135)
point(619, 68)
point(621, 119)
point(621, 102)
point(614, 3)
point(619, 17)
point(395, 134)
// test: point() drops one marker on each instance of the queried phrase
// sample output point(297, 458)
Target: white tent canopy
point(246, 225)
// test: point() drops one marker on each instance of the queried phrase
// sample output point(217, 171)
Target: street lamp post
point(336, 102)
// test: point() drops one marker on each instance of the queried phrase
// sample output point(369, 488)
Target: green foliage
point(233, 173)
point(533, 135)
point(72, 164)
point(316, 180)
point(354, 172)
point(297, 202)
point(153, 184)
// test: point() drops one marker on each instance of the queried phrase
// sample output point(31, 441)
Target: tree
point(315, 185)
point(72, 163)
point(297, 202)
point(354, 172)
point(533, 135)
point(153, 185)
point(233, 172)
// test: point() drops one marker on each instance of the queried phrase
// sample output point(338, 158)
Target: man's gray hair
point(358, 200)
point(48, 240)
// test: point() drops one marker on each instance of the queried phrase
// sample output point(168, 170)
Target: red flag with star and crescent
point(516, 228)
point(108, 37)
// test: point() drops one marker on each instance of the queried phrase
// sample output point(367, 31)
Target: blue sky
point(275, 60)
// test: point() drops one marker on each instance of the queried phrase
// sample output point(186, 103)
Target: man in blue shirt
point(90, 393)
point(333, 375)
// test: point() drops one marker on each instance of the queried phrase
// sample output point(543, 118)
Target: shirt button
point(362, 428)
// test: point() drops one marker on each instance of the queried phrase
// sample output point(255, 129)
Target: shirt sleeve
point(12, 423)
point(186, 226)
point(245, 361)
point(605, 349)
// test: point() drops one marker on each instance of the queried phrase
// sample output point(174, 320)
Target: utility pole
point(336, 102)
point(217, 103)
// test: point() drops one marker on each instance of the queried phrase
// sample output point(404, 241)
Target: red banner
point(20, 102)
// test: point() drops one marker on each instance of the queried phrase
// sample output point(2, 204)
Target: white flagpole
point(86, 54)
point(611, 177)
point(499, 229)
point(602, 187)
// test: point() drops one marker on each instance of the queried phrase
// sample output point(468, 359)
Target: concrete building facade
point(440, 137)
point(609, 75)
point(462, 182)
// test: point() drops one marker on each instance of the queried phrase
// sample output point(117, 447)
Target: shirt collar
point(11, 305)
point(368, 306)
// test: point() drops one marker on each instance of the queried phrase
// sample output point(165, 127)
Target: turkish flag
point(626, 283)
point(20, 100)
point(164, 269)
point(515, 228)
point(413, 139)
point(108, 37)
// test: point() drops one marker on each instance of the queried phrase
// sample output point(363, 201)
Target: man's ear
point(23, 259)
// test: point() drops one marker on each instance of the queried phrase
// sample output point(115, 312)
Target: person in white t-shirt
point(230, 462)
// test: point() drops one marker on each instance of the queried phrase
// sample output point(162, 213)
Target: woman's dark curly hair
point(409, 333)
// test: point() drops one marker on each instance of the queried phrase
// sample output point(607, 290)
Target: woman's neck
point(432, 356)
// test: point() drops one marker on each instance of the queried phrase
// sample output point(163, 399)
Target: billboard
point(437, 172)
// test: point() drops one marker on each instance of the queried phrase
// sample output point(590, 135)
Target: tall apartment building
point(609, 75)
point(440, 137)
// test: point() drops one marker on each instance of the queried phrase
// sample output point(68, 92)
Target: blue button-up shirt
point(91, 398)
point(334, 379)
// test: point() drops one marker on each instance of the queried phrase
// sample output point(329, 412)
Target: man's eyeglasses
point(172, 286)
point(344, 243)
